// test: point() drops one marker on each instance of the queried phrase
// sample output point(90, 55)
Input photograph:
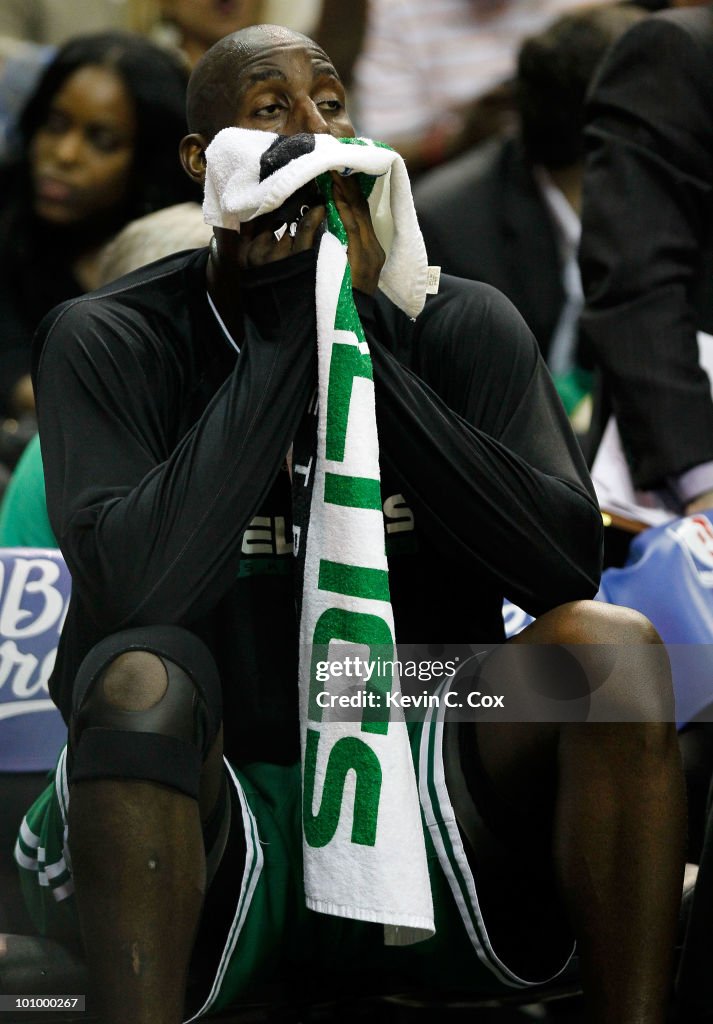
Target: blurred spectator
point(31, 31)
point(99, 136)
point(188, 26)
point(56, 21)
point(301, 15)
point(23, 513)
point(662, 5)
point(192, 26)
point(647, 249)
point(21, 65)
point(340, 32)
point(151, 237)
point(430, 77)
point(507, 213)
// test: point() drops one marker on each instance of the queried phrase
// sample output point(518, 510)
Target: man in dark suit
point(647, 248)
point(507, 212)
point(483, 218)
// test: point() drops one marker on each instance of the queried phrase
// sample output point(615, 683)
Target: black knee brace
point(167, 742)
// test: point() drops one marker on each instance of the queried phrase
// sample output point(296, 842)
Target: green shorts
point(257, 930)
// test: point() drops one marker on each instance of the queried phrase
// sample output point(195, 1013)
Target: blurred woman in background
point(99, 148)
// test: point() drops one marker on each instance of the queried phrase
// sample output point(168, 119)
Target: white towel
point(238, 188)
point(364, 852)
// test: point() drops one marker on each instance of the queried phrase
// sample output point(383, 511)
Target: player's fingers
point(281, 242)
point(263, 248)
point(353, 207)
point(307, 229)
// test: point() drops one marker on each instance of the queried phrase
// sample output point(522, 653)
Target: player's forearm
point(159, 541)
point(535, 533)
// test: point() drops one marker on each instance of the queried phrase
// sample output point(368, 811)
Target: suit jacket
point(647, 240)
point(483, 218)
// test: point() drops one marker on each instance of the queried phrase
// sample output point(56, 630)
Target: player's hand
point(366, 257)
point(258, 244)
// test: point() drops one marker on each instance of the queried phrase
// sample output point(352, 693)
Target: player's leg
point(146, 783)
point(618, 825)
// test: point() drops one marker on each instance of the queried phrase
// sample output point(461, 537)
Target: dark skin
point(80, 161)
point(613, 792)
point(286, 87)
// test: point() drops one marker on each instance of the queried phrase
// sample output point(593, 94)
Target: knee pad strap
point(146, 756)
point(165, 743)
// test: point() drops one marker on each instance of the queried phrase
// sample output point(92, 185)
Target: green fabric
point(41, 844)
point(572, 387)
point(279, 936)
point(23, 514)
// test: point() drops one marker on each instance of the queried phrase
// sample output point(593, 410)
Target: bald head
point(216, 81)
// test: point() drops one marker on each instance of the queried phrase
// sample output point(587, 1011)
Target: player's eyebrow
point(264, 75)
point(324, 69)
point(321, 68)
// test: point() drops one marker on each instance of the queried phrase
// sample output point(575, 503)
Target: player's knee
point(135, 681)
point(626, 665)
point(593, 622)
point(147, 705)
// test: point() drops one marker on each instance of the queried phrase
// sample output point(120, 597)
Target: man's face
point(290, 88)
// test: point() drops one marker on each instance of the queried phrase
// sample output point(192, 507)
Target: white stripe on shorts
point(439, 815)
point(254, 861)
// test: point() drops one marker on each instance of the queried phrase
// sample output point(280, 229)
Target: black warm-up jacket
point(164, 458)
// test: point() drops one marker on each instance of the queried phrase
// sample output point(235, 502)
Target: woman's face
point(81, 157)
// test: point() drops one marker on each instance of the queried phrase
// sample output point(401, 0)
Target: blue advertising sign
point(34, 594)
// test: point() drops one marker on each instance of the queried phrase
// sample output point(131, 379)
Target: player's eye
point(269, 110)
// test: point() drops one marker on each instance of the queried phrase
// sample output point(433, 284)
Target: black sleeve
point(646, 210)
point(150, 536)
point(485, 450)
